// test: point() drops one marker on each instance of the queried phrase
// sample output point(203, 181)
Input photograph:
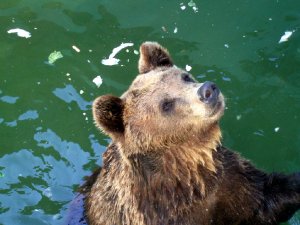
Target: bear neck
point(194, 146)
point(175, 178)
point(160, 186)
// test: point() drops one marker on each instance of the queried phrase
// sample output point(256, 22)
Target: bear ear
point(108, 115)
point(152, 55)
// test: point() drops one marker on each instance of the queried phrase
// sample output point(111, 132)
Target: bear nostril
point(208, 92)
point(213, 86)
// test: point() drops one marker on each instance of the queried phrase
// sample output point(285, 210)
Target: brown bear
point(166, 164)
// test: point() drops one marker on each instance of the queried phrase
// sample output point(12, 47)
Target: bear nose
point(208, 92)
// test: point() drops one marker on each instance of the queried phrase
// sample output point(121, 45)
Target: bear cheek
point(197, 112)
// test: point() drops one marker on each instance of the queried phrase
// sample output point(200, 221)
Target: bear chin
point(218, 110)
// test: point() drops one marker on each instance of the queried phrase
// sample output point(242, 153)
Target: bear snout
point(209, 93)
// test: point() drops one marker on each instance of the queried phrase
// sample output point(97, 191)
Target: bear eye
point(167, 105)
point(187, 78)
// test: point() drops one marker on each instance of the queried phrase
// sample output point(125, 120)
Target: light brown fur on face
point(189, 116)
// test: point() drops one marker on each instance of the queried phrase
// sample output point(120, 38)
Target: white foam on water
point(20, 32)
point(111, 58)
point(98, 81)
point(286, 36)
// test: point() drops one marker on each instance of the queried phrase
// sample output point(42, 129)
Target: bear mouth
point(217, 108)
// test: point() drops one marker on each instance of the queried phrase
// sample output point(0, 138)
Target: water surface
point(48, 139)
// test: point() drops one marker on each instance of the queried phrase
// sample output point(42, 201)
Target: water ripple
point(9, 99)
point(29, 115)
point(69, 94)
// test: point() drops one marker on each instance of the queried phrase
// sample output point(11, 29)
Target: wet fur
point(167, 190)
point(183, 176)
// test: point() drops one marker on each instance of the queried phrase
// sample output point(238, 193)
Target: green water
point(48, 139)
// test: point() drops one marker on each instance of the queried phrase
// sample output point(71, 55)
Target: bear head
point(164, 106)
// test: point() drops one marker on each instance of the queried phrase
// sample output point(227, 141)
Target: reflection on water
point(69, 94)
point(42, 180)
point(9, 99)
point(48, 139)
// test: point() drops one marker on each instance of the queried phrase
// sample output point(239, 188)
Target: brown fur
point(109, 110)
point(153, 56)
point(167, 167)
point(153, 185)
